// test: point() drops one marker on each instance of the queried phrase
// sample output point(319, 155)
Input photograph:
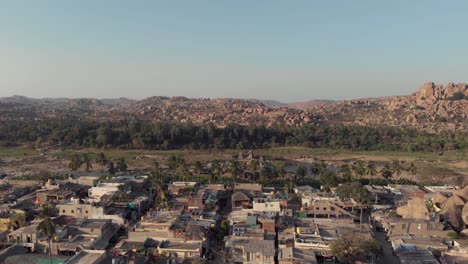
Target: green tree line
point(164, 136)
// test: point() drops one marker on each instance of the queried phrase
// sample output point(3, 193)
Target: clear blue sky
point(283, 50)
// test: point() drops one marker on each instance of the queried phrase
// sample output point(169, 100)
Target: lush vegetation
point(349, 249)
point(166, 136)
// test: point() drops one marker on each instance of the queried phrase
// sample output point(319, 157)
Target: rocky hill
point(221, 111)
point(432, 108)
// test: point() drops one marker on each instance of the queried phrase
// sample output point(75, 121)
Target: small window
point(92, 230)
point(316, 208)
point(63, 211)
point(324, 208)
point(72, 211)
point(86, 211)
point(403, 226)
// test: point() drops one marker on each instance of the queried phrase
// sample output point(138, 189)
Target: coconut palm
point(359, 169)
point(301, 172)
point(102, 160)
point(346, 173)
point(289, 186)
point(75, 162)
point(386, 171)
point(87, 162)
point(198, 167)
point(315, 168)
point(120, 195)
point(412, 168)
point(111, 168)
point(155, 165)
point(215, 173)
point(371, 169)
point(396, 167)
point(121, 164)
point(47, 227)
point(361, 198)
point(234, 168)
point(281, 172)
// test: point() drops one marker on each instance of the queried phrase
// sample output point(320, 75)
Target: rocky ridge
point(432, 109)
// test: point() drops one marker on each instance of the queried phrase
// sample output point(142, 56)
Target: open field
point(447, 167)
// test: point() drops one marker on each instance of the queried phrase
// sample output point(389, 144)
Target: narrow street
point(388, 257)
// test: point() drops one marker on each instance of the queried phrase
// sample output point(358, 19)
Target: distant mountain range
point(19, 99)
point(432, 108)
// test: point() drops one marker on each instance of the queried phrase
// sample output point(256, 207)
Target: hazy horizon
point(273, 50)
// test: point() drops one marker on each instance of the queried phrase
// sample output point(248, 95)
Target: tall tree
point(301, 172)
point(396, 167)
point(121, 164)
point(346, 173)
point(75, 162)
point(371, 169)
point(120, 195)
point(215, 172)
point(198, 166)
point(386, 171)
point(102, 160)
point(359, 168)
point(87, 162)
point(111, 168)
point(47, 227)
point(315, 168)
point(282, 171)
point(234, 168)
point(412, 168)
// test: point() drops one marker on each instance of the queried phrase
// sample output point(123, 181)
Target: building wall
point(273, 206)
point(15, 220)
point(76, 210)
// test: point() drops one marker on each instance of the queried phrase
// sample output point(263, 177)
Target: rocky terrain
point(433, 108)
point(220, 112)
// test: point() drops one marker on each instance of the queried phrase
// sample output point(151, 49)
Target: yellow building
point(12, 219)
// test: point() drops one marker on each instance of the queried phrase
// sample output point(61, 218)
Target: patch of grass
point(17, 152)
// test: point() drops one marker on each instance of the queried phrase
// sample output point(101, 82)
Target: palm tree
point(215, 172)
point(156, 181)
point(253, 167)
point(371, 169)
point(301, 172)
point(198, 167)
point(315, 169)
point(412, 168)
point(289, 186)
point(111, 168)
point(234, 168)
point(47, 227)
point(75, 162)
point(386, 171)
point(121, 164)
point(361, 199)
point(155, 165)
point(396, 167)
point(282, 171)
point(359, 168)
point(102, 160)
point(87, 162)
point(184, 172)
point(120, 195)
point(346, 173)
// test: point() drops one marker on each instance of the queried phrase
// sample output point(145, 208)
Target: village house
point(12, 219)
